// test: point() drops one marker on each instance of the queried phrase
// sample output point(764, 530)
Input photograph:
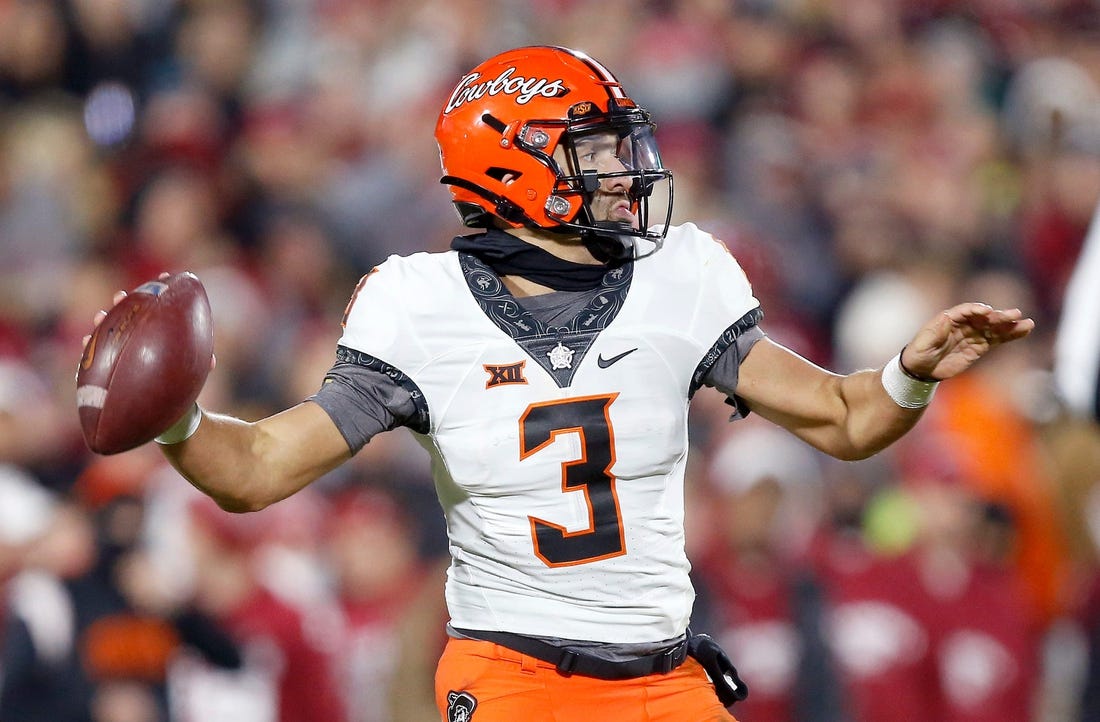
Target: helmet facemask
point(611, 187)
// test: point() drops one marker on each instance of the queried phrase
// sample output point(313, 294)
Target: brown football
point(145, 364)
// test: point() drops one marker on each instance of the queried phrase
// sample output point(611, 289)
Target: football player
point(546, 363)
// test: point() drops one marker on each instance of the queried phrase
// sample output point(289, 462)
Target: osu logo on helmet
point(508, 138)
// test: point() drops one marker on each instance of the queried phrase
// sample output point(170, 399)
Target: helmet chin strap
point(607, 245)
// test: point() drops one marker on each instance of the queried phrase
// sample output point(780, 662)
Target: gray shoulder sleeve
point(363, 400)
point(724, 373)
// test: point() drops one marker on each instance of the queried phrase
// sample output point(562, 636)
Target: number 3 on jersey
point(591, 475)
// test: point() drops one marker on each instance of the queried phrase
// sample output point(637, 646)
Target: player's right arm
point(246, 466)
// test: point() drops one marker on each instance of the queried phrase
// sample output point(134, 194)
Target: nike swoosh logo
point(605, 362)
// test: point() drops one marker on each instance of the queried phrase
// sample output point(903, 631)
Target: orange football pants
point(480, 681)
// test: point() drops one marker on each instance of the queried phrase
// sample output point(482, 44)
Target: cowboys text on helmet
point(524, 89)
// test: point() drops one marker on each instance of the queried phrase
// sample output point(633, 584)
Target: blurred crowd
point(868, 161)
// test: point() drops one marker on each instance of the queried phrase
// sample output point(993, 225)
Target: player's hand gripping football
point(101, 314)
point(144, 363)
point(951, 343)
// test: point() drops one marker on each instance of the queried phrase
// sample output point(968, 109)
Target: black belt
point(573, 660)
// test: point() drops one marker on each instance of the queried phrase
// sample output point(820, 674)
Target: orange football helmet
point(508, 139)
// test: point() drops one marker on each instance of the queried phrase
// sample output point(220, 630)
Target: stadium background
point(868, 161)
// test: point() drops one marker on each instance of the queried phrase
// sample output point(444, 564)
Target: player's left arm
point(852, 417)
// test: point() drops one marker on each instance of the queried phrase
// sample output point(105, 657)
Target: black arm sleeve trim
point(421, 421)
point(727, 339)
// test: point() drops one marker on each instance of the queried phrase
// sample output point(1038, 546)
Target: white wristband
point(183, 429)
point(906, 391)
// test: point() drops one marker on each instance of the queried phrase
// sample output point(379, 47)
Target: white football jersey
point(558, 453)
